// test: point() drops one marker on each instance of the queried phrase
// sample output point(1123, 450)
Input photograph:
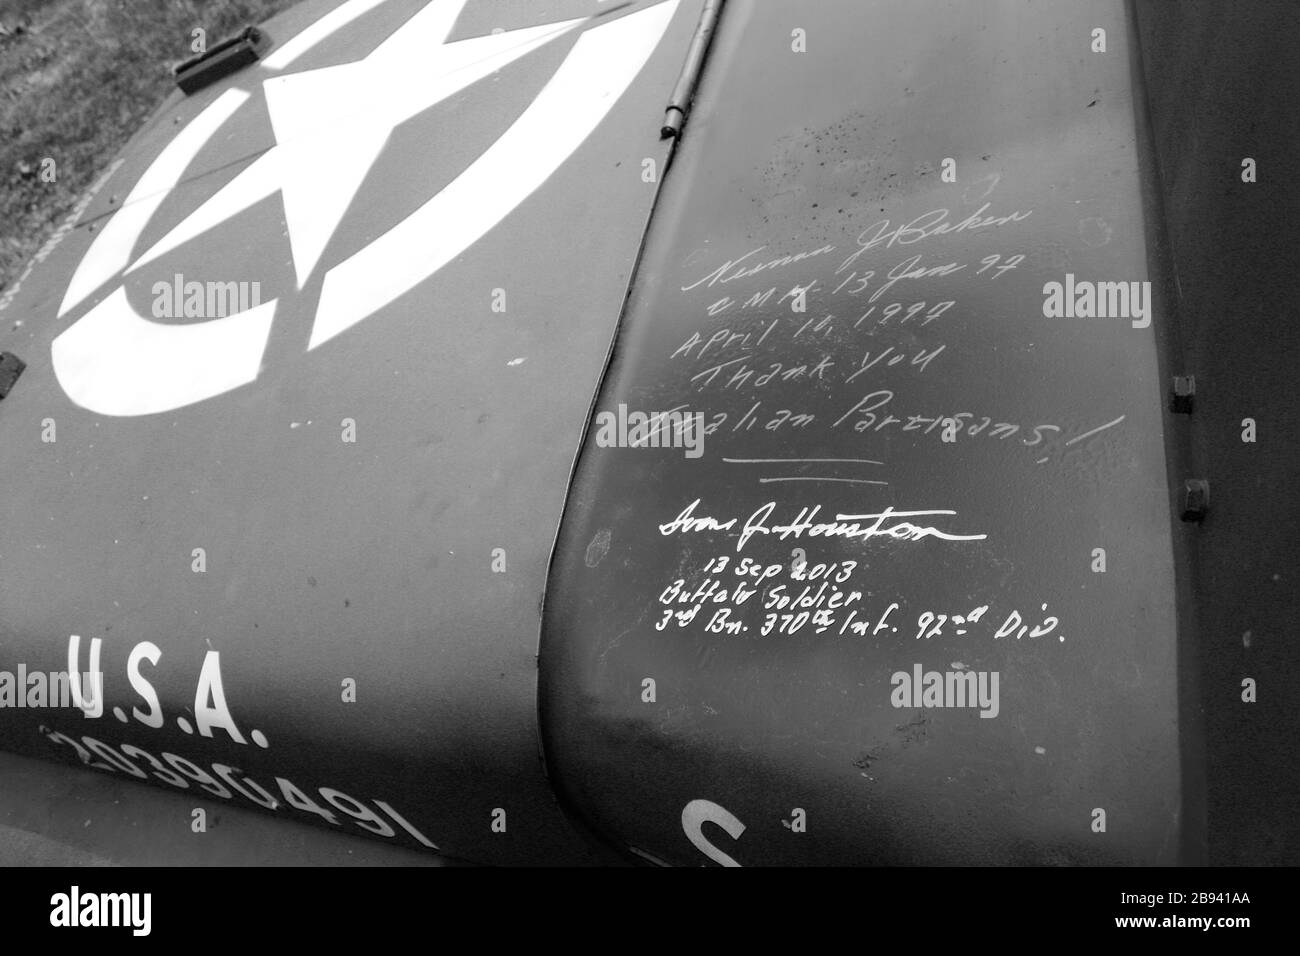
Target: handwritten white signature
point(844, 525)
point(936, 222)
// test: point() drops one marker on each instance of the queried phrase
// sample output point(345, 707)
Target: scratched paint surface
point(944, 673)
point(326, 560)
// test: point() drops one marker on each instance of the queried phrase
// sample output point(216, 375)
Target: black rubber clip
point(223, 59)
point(11, 366)
point(1196, 499)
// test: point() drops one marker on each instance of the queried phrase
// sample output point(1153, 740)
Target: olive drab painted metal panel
point(305, 536)
point(915, 600)
point(911, 599)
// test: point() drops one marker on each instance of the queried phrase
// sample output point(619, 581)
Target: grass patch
point(77, 80)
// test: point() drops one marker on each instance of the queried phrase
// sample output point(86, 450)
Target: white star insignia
point(331, 124)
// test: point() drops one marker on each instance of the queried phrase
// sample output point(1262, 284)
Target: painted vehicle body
point(364, 543)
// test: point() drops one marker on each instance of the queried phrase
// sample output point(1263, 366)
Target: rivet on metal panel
point(1196, 499)
point(11, 366)
point(1183, 394)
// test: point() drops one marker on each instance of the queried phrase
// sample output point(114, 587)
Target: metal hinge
point(679, 104)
